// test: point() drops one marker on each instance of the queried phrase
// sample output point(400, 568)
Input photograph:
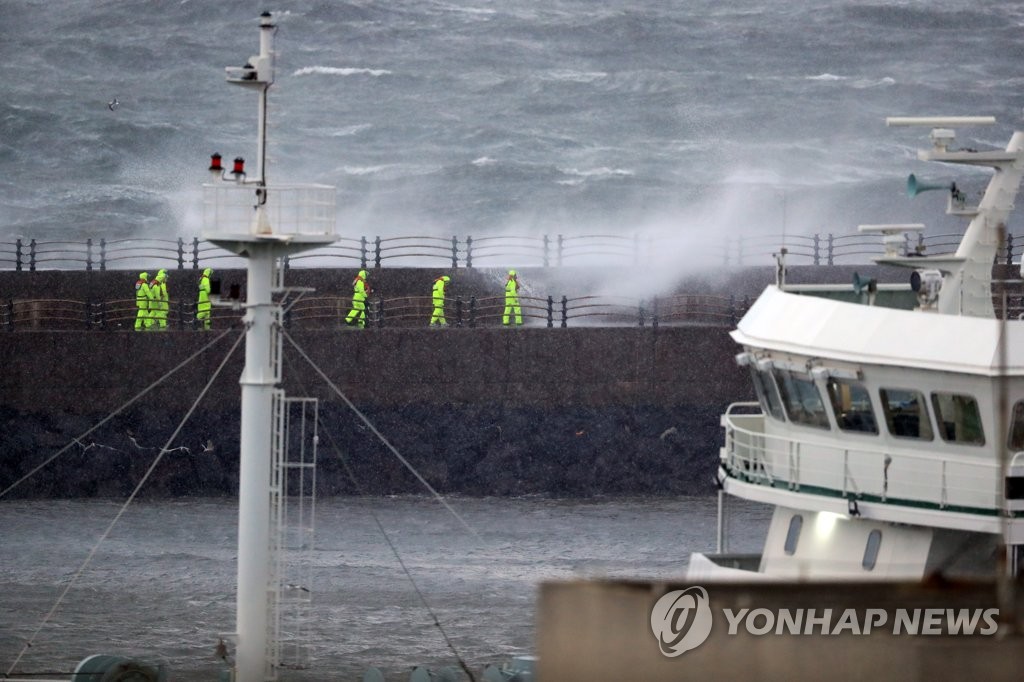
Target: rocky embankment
point(467, 450)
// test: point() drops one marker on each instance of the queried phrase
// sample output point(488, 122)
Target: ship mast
point(246, 218)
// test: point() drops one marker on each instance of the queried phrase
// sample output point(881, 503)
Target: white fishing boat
point(889, 428)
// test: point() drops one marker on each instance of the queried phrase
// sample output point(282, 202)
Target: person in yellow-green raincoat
point(143, 321)
point(203, 304)
point(159, 301)
point(437, 295)
point(360, 290)
point(512, 300)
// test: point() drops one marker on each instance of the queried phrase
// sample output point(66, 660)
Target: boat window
point(871, 550)
point(906, 413)
point(1017, 428)
point(796, 522)
point(802, 399)
point(852, 405)
point(767, 393)
point(959, 418)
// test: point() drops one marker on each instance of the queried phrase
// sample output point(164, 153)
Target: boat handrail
point(899, 477)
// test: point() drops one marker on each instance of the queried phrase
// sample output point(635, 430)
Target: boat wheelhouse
point(889, 428)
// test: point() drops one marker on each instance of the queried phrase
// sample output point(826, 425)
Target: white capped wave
point(484, 161)
point(467, 10)
point(859, 83)
point(574, 76)
point(349, 131)
point(340, 71)
point(578, 177)
point(602, 171)
point(864, 83)
point(364, 170)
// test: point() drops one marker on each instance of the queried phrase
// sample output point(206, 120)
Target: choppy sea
point(469, 117)
point(440, 118)
point(161, 588)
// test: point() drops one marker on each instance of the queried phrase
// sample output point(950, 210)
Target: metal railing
point(877, 473)
point(469, 252)
point(326, 311)
point(329, 311)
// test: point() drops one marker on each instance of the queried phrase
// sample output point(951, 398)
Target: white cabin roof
point(827, 328)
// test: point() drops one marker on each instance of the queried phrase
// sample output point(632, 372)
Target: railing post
point(558, 255)
point(195, 253)
point(472, 311)
point(101, 314)
point(32, 255)
point(285, 263)
point(817, 255)
point(376, 258)
point(88, 254)
point(380, 311)
point(831, 249)
point(17, 255)
point(547, 261)
point(641, 314)
point(181, 314)
point(654, 313)
point(362, 253)
point(732, 309)
point(458, 311)
point(565, 309)
point(10, 314)
point(1009, 248)
point(181, 253)
point(551, 309)
point(103, 254)
point(87, 314)
point(455, 252)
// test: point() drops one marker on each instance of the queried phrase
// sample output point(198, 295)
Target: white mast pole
point(254, 476)
point(257, 381)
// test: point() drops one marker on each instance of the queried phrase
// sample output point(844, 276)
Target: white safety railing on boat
point(899, 477)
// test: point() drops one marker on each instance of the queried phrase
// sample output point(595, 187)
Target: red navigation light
point(215, 166)
point(239, 168)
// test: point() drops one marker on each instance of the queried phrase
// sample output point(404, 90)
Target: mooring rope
point(132, 401)
point(131, 498)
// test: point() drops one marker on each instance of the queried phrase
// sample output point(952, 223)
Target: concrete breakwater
point(477, 411)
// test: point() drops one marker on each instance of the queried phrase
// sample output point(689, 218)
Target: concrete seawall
point(479, 411)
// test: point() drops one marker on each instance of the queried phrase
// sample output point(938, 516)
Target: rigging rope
point(379, 435)
point(131, 498)
point(398, 557)
point(380, 526)
point(138, 396)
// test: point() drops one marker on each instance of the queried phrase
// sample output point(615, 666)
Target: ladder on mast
point(293, 529)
